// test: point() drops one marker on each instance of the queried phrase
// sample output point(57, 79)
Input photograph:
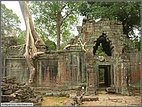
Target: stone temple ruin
point(78, 64)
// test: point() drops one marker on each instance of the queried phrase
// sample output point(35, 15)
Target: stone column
point(124, 77)
point(91, 89)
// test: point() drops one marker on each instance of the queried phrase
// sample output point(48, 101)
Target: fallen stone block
point(15, 92)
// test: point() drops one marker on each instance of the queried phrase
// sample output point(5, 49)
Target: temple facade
point(79, 64)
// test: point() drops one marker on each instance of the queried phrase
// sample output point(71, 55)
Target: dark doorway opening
point(104, 75)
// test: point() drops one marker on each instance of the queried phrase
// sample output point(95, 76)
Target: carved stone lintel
point(101, 58)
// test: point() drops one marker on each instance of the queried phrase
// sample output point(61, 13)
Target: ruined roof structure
point(74, 66)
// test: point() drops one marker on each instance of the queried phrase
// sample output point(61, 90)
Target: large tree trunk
point(32, 40)
point(58, 30)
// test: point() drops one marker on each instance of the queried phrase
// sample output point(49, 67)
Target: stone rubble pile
point(15, 92)
point(73, 101)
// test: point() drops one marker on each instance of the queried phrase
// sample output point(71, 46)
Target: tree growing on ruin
point(32, 40)
point(55, 19)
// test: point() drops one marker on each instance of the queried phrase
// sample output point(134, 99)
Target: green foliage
point(137, 41)
point(101, 75)
point(126, 12)
point(51, 44)
point(21, 38)
point(47, 41)
point(10, 25)
point(127, 45)
point(9, 22)
point(85, 9)
point(138, 45)
point(62, 46)
point(100, 51)
point(45, 13)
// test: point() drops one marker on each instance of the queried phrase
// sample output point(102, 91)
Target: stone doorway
point(104, 75)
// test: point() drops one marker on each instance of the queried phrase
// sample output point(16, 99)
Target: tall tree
point(10, 23)
point(55, 18)
point(126, 12)
point(32, 40)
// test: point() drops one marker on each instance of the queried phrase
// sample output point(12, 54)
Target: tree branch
point(68, 13)
point(52, 16)
point(62, 7)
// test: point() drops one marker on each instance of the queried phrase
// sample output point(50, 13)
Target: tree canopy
point(10, 23)
point(126, 12)
point(55, 19)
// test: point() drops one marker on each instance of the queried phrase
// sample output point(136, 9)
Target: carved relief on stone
point(101, 58)
point(16, 50)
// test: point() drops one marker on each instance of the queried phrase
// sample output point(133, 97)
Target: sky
point(14, 5)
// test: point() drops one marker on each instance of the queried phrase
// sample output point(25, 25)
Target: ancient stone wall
point(91, 75)
point(14, 64)
point(60, 69)
point(71, 68)
point(53, 69)
point(134, 67)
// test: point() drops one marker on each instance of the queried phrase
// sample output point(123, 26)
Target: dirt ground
point(54, 101)
point(114, 100)
point(104, 100)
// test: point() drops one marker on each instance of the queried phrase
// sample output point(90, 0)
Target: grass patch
point(54, 101)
